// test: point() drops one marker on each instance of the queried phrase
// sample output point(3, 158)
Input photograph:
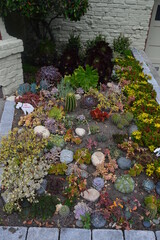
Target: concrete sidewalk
point(35, 233)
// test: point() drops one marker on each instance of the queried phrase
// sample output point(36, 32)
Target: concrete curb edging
point(37, 233)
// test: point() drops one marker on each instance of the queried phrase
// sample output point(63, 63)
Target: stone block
point(139, 235)
point(158, 235)
point(35, 233)
point(75, 234)
point(98, 234)
point(13, 233)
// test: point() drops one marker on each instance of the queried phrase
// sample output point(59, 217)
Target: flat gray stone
point(158, 235)
point(66, 156)
point(75, 234)
point(13, 233)
point(107, 235)
point(139, 235)
point(35, 233)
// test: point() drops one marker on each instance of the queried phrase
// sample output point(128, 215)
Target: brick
point(139, 235)
point(75, 234)
point(13, 233)
point(107, 235)
point(35, 233)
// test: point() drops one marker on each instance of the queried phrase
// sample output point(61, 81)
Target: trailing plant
point(69, 137)
point(136, 170)
point(91, 144)
point(122, 45)
point(56, 113)
point(56, 140)
point(86, 220)
point(99, 115)
point(24, 167)
point(84, 78)
point(64, 88)
point(82, 156)
point(70, 102)
point(76, 185)
point(99, 55)
point(58, 169)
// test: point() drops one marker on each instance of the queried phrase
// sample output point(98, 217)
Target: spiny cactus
point(70, 104)
point(64, 211)
point(152, 209)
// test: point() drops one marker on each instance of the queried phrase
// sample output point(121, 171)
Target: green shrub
point(122, 45)
point(85, 78)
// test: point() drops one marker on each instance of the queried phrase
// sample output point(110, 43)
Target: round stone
point(124, 163)
point(41, 130)
point(156, 221)
point(98, 183)
point(78, 96)
point(79, 224)
point(158, 188)
point(66, 156)
point(42, 188)
point(148, 185)
point(97, 220)
point(124, 184)
point(132, 129)
point(97, 158)
point(80, 132)
point(90, 195)
point(146, 224)
point(84, 174)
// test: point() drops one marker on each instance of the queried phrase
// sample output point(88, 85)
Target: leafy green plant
point(119, 138)
point(122, 45)
point(56, 140)
point(82, 156)
point(86, 220)
point(85, 78)
point(58, 169)
point(56, 113)
point(44, 208)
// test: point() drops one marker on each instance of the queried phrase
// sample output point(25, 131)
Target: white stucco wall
point(109, 18)
point(11, 74)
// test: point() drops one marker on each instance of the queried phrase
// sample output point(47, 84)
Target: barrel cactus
point(64, 211)
point(70, 104)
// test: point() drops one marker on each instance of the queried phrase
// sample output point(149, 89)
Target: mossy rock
point(124, 184)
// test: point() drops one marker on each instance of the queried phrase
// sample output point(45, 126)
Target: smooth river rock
point(97, 158)
point(91, 195)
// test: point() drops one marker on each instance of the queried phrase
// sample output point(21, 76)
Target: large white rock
point(80, 131)
point(97, 158)
point(90, 195)
point(42, 130)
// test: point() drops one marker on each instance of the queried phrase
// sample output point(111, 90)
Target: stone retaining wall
point(11, 74)
point(109, 18)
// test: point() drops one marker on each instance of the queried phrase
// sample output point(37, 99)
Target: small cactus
point(70, 104)
point(64, 211)
point(152, 209)
point(129, 116)
point(116, 118)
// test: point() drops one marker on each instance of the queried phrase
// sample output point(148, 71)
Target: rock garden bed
point(83, 155)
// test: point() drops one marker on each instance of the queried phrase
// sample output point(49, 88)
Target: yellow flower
point(157, 125)
point(151, 148)
point(137, 134)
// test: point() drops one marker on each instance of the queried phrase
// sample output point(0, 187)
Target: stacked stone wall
point(109, 18)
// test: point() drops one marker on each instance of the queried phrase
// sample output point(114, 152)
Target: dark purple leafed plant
point(50, 74)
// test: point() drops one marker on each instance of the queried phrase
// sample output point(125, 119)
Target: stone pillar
point(11, 73)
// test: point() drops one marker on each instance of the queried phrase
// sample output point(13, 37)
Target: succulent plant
point(56, 140)
point(50, 74)
point(64, 88)
point(23, 88)
point(115, 118)
point(33, 87)
point(128, 116)
point(56, 112)
point(44, 85)
point(94, 129)
point(152, 209)
point(99, 55)
point(101, 138)
point(50, 125)
point(98, 183)
point(53, 154)
point(80, 210)
point(64, 211)
point(70, 102)
point(82, 156)
point(89, 101)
